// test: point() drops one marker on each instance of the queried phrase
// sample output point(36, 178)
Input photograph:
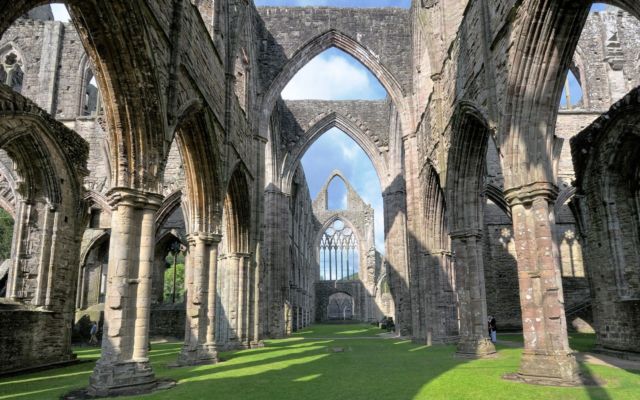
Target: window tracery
point(11, 73)
point(339, 256)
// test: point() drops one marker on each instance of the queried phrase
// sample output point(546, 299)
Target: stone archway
point(340, 307)
point(236, 288)
point(466, 168)
point(314, 47)
point(51, 163)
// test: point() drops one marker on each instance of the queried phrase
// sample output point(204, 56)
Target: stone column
point(213, 290)
point(396, 245)
point(145, 273)
point(124, 364)
point(257, 304)
point(242, 315)
point(277, 261)
point(197, 348)
point(547, 358)
point(474, 341)
point(227, 335)
point(20, 227)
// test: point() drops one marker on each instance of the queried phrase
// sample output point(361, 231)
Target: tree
point(179, 277)
point(6, 234)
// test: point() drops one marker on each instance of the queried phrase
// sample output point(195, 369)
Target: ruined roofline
point(394, 10)
point(384, 101)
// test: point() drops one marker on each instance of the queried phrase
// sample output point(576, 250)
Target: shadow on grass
point(309, 369)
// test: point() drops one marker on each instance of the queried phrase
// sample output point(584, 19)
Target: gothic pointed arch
point(605, 158)
point(200, 152)
point(545, 41)
point(237, 213)
point(496, 195)
point(116, 39)
point(13, 66)
point(314, 47)
point(466, 166)
point(350, 128)
point(169, 205)
point(50, 161)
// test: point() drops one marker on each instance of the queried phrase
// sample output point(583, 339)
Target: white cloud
point(350, 152)
point(60, 13)
point(330, 77)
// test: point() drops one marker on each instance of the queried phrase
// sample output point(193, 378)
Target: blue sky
point(334, 75)
point(336, 150)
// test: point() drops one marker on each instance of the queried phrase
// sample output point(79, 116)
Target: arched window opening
point(339, 255)
point(337, 194)
point(334, 75)
point(93, 276)
point(601, 73)
point(174, 273)
point(572, 95)
point(340, 307)
point(168, 284)
point(90, 95)
point(336, 151)
point(11, 72)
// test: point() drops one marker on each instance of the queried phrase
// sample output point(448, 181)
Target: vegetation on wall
point(169, 279)
point(6, 234)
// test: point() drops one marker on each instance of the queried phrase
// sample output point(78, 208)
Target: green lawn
point(299, 368)
point(340, 331)
point(577, 341)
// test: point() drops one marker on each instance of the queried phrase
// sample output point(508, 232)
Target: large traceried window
point(339, 255)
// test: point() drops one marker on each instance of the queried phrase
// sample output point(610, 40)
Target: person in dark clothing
point(492, 328)
point(94, 334)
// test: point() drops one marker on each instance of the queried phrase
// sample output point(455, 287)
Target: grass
point(304, 368)
point(339, 331)
point(577, 341)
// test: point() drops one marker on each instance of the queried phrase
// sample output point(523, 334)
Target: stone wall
point(33, 338)
point(606, 162)
point(304, 265)
point(595, 70)
point(289, 30)
point(167, 320)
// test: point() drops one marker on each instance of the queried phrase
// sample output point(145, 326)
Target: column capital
point(134, 198)
point(527, 194)
point(466, 233)
point(240, 254)
point(260, 138)
point(207, 237)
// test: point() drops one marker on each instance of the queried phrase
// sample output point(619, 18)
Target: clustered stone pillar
point(547, 357)
point(244, 285)
point(278, 258)
point(394, 198)
point(124, 364)
point(474, 341)
point(199, 338)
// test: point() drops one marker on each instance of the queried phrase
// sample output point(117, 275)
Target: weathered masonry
point(148, 134)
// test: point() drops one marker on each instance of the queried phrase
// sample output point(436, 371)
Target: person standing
point(492, 329)
point(94, 334)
